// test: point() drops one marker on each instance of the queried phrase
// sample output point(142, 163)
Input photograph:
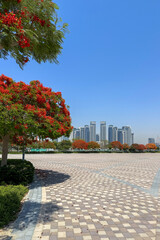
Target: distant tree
point(79, 144)
point(137, 147)
point(151, 146)
point(141, 147)
point(93, 145)
point(117, 144)
point(29, 110)
point(134, 147)
point(48, 144)
point(30, 29)
point(125, 146)
point(64, 145)
point(109, 145)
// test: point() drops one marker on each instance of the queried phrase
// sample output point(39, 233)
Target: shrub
point(10, 202)
point(17, 172)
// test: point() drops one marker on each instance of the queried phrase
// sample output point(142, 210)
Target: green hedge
point(10, 202)
point(17, 172)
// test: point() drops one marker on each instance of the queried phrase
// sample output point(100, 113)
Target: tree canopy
point(79, 144)
point(151, 146)
point(30, 110)
point(30, 29)
point(93, 145)
point(64, 145)
point(117, 144)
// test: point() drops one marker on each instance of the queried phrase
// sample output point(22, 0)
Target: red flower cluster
point(37, 19)
point(24, 42)
point(11, 20)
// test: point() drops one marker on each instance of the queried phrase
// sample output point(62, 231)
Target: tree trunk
point(23, 152)
point(5, 150)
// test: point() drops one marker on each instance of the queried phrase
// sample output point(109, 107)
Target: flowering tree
point(117, 144)
point(137, 147)
point(151, 146)
point(125, 146)
point(79, 144)
point(93, 145)
point(29, 29)
point(30, 110)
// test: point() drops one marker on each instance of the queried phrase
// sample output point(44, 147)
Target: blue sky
point(109, 68)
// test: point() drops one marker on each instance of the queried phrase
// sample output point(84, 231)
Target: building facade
point(86, 133)
point(77, 133)
point(115, 134)
point(93, 131)
point(110, 133)
point(82, 135)
point(151, 140)
point(127, 135)
point(97, 137)
point(103, 131)
point(132, 138)
point(121, 136)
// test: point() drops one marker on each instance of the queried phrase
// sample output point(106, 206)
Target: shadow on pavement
point(49, 177)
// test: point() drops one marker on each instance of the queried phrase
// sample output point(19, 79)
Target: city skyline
point(133, 134)
point(89, 133)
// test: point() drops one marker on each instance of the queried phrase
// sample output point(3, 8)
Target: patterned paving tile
point(99, 196)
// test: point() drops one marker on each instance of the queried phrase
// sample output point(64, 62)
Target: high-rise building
point(71, 136)
point(121, 136)
point(115, 134)
point(102, 131)
point(132, 138)
point(127, 135)
point(110, 133)
point(86, 133)
point(76, 133)
point(97, 137)
point(93, 131)
point(82, 133)
point(151, 140)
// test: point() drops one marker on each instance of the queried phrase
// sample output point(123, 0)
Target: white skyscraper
point(127, 135)
point(93, 131)
point(102, 131)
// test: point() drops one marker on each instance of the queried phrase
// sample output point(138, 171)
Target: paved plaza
point(92, 197)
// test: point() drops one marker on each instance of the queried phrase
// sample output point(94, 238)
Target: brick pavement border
point(23, 227)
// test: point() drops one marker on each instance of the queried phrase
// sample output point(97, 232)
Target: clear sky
point(109, 68)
